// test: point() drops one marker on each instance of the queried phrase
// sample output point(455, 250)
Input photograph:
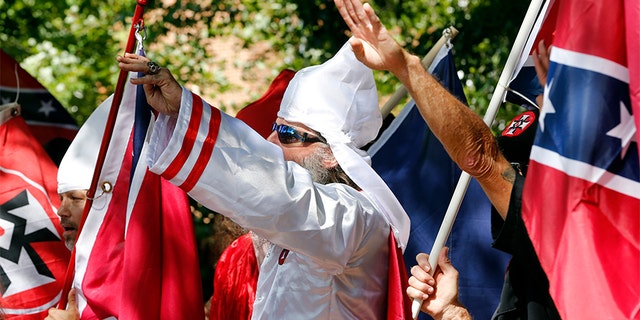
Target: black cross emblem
point(20, 240)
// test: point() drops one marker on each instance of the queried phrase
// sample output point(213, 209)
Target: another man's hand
point(439, 292)
point(72, 309)
point(371, 42)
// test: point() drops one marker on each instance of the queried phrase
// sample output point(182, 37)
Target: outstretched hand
point(163, 91)
point(371, 42)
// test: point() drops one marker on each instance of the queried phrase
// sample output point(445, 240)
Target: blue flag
point(421, 174)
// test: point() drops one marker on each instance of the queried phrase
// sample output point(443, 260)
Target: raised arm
point(467, 139)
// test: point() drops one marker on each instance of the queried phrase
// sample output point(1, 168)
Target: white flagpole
point(494, 105)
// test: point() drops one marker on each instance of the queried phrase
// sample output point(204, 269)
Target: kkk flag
point(581, 201)
point(49, 122)
point(421, 174)
point(33, 258)
point(136, 256)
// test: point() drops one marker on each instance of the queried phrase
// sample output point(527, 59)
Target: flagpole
point(448, 34)
point(106, 139)
point(494, 105)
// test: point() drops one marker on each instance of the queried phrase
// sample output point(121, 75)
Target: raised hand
point(371, 42)
point(163, 91)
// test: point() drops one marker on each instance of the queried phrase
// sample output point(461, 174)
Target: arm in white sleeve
point(229, 168)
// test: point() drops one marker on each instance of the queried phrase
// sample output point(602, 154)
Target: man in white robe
point(309, 189)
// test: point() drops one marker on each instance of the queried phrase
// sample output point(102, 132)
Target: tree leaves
point(70, 46)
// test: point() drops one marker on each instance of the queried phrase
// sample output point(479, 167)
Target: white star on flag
point(547, 105)
point(625, 131)
point(47, 107)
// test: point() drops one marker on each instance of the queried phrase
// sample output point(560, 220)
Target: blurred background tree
point(229, 51)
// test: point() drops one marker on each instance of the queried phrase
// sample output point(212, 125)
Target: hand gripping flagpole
point(448, 34)
point(494, 105)
point(136, 23)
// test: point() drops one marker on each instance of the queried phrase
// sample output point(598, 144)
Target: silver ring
point(154, 68)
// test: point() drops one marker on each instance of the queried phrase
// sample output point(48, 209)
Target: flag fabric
point(581, 200)
point(33, 257)
point(398, 302)
point(50, 123)
point(633, 47)
point(261, 114)
point(136, 256)
point(236, 281)
point(421, 174)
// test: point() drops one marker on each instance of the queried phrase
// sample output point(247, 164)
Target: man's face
point(70, 212)
point(296, 150)
point(314, 156)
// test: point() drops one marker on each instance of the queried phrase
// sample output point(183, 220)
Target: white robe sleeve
point(229, 168)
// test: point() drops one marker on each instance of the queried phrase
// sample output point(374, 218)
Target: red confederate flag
point(581, 200)
point(33, 258)
point(47, 119)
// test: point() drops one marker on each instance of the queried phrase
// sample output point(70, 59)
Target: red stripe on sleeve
point(205, 153)
point(188, 141)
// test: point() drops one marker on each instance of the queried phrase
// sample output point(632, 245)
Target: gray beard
point(314, 164)
point(70, 243)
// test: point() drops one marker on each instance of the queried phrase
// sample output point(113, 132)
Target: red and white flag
point(581, 200)
point(136, 256)
point(33, 258)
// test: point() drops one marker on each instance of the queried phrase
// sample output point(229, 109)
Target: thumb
point(358, 47)
point(423, 261)
point(72, 303)
point(443, 261)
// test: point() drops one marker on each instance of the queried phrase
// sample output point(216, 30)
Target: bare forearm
point(464, 135)
point(454, 312)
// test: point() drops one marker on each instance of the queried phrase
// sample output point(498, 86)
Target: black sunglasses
point(288, 135)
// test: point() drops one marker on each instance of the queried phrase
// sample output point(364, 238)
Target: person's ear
point(330, 163)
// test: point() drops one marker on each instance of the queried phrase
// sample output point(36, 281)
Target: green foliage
point(70, 46)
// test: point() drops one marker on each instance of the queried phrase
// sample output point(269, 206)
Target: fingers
point(421, 282)
point(418, 290)
point(541, 62)
point(150, 79)
point(357, 16)
point(543, 54)
point(372, 18)
point(133, 63)
point(346, 8)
